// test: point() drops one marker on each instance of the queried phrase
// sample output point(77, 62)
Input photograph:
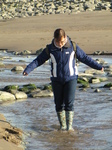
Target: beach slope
point(10, 137)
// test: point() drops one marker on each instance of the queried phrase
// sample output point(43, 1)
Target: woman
point(64, 74)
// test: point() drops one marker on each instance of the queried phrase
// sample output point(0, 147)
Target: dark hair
point(58, 34)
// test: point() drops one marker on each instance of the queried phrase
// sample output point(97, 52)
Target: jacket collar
point(67, 45)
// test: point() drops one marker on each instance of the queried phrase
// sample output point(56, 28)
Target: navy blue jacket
point(63, 67)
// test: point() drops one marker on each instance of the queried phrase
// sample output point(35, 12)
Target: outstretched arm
point(36, 62)
point(81, 56)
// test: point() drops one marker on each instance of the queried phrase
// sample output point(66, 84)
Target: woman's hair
point(58, 34)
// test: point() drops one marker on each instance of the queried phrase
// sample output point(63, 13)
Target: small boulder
point(6, 96)
point(98, 53)
point(93, 71)
point(47, 87)
point(108, 85)
point(108, 68)
point(97, 90)
point(42, 93)
point(101, 61)
point(9, 88)
point(83, 79)
point(94, 80)
point(25, 52)
point(103, 79)
point(84, 83)
point(84, 86)
point(28, 88)
point(18, 69)
point(85, 75)
point(20, 95)
point(110, 88)
point(109, 74)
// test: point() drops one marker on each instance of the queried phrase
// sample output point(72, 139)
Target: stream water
point(37, 117)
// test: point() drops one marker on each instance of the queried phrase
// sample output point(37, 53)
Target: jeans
point(64, 95)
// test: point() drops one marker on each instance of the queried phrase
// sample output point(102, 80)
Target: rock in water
point(5, 96)
point(18, 68)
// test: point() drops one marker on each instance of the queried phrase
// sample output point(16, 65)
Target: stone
point(28, 88)
point(93, 71)
point(110, 88)
point(31, 93)
point(97, 90)
point(22, 61)
point(108, 68)
point(42, 93)
point(108, 85)
point(13, 91)
point(94, 80)
point(101, 61)
point(71, 11)
point(109, 74)
point(24, 8)
point(84, 86)
point(97, 53)
point(20, 95)
point(6, 96)
point(25, 52)
point(83, 89)
point(103, 79)
point(84, 82)
point(8, 88)
point(50, 11)
point(47, 87)
point(18, 68)
point(38, 5)
point(83, 79)
point(85, 75)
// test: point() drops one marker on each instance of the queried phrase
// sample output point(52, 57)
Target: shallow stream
point(37, 117)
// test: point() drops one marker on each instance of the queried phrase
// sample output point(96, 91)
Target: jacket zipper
point(62, 66)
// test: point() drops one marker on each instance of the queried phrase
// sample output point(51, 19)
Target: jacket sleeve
point(41, 58)
point(82, 57)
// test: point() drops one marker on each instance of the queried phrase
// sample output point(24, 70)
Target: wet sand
point(10, 137)
point(92, 31)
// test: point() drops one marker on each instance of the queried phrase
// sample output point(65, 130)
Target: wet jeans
point(64, 95)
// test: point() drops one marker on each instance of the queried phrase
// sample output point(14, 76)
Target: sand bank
point(10, 137)
point(92, 31)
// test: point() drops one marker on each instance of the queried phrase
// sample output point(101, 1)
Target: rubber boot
point(69, 120)
point(62, 120)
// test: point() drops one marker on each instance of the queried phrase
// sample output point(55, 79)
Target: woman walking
point(64, 74)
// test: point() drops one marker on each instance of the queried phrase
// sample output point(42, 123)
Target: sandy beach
point(92, 31)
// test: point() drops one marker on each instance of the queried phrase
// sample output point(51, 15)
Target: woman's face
point(61, 43)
